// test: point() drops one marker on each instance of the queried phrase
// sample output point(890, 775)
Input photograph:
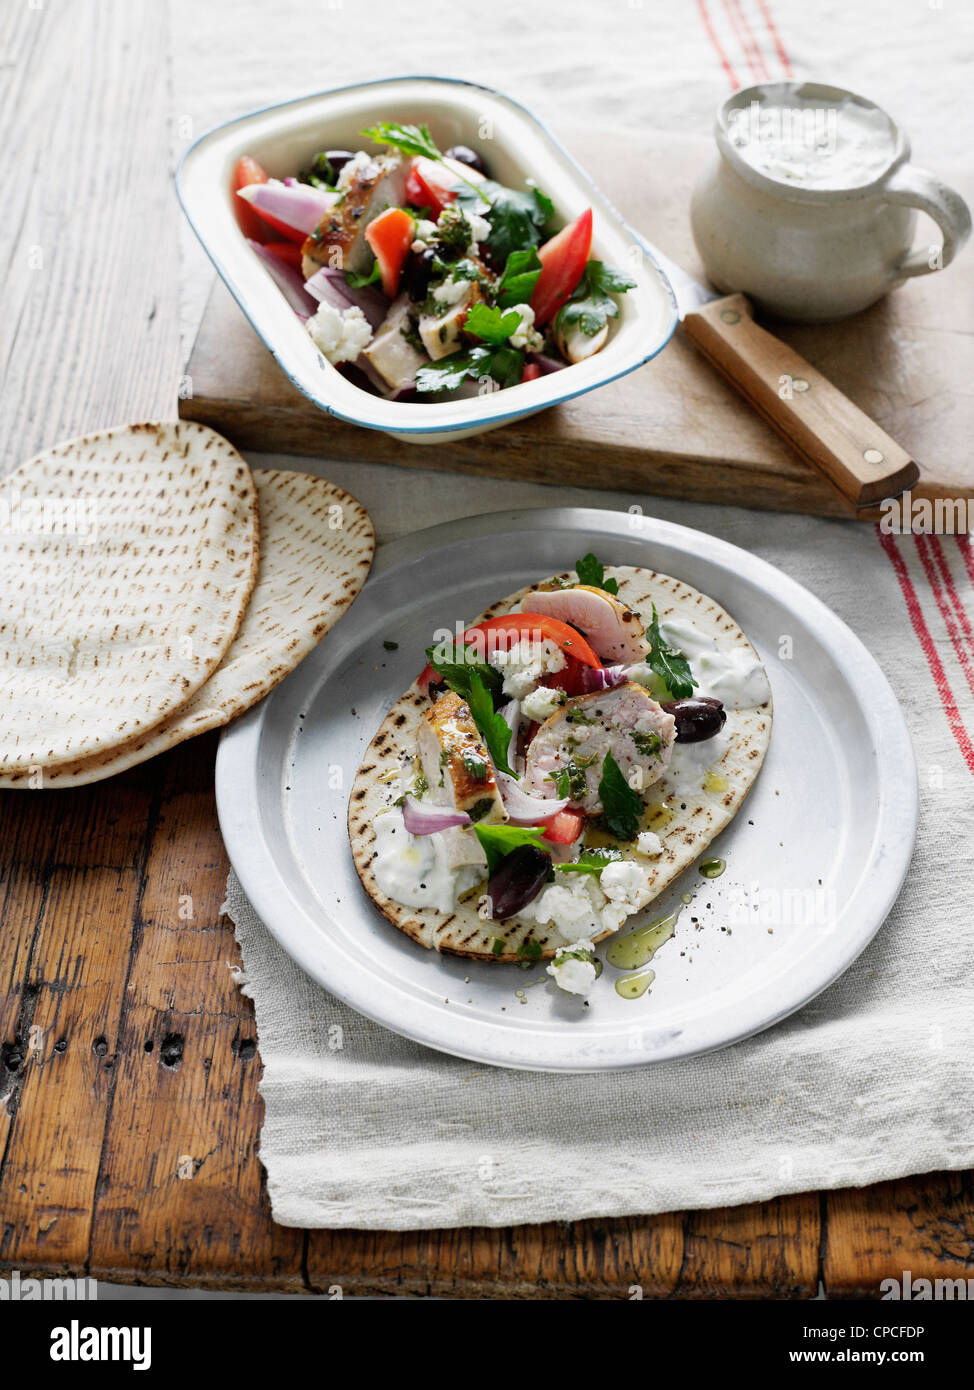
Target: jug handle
point(917, 188)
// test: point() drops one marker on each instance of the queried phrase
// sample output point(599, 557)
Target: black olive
point(463, 154)
point(697, 718)
point(338, 159)
point(517, 880)
point(417, 274)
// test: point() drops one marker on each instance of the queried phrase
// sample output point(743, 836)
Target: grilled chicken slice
point(390, 354)
point(440, 333)
point(455, 761)
point(339, 238)
point(613, 630)
point(624, 721)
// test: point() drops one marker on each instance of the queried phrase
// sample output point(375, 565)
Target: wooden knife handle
point(829, 432)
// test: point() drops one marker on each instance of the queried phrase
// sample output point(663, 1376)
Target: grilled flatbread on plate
point(695, 817)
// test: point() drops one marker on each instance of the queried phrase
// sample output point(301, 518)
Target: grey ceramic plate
point(814, 859)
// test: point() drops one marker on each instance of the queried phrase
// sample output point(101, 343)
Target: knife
point(824, 426)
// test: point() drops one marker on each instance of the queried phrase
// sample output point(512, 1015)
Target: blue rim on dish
point(426, 429)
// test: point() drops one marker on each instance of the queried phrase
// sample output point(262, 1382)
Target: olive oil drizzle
point(635, 986)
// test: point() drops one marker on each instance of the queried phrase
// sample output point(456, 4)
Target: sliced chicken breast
point(440, 333)
point(455, 761)
point(339, 238)
point(391, 355)
point(571, 745)
point(613, 630)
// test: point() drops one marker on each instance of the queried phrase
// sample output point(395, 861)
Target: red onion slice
point(422, 818)
point(547, 364)
point(288, 280)
point(299, 206)
point(523, 809)
point(602, 677)
point(331, 285)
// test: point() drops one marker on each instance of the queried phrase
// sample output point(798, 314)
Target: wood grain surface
point(129, 1106)
point(673, 427)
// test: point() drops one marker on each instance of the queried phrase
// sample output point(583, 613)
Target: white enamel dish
point(815, 857)
point(518, 147)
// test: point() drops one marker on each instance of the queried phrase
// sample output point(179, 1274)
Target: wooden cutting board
point(673, 427)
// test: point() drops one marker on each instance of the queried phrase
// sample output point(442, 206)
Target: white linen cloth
point(870, 1081)
point(873, 1079)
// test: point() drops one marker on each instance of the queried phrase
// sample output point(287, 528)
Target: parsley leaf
point(498, 841)
point(492, 325)
point(502, 364)
point(570, 780)
point(477, 683)
point(669, 663)
point(592, 304)
point(621, 806)
point(494, 728)
point(358, 280)
point(590, 861)
point(519, 279)
point(456, 667)
point(516, 219)
point(407, 139)
point(591, 571)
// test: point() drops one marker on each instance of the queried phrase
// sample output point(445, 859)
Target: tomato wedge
point(248, 171)
point(391, 235)
point(563, 260)
point(511, 627)
point(435, 186)
point(514, 626)
point(430, 185)
point(565, 827)
point(531, 371)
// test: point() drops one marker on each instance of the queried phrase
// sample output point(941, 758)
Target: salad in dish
point(557, 763)
point(421, 277)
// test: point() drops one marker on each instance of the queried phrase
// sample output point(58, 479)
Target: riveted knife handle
point(825, 427)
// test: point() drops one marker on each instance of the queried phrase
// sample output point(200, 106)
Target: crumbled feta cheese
point(355, 166)
point(425, 230)
point(524, 335)
point(574, 908)
point(586, 908)
point(452, 291)
point(542, 702)
point(523, 665)
point(624, 882)
point(340, 335)
point(572, 973)
point(479, 227)
point(649, 844)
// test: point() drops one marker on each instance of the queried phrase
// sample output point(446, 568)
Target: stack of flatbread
point(153, 587)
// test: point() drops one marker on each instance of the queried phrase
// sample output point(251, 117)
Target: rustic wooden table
point(124, 1044)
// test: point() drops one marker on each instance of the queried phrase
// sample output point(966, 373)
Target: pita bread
point(317, 544)
point(127, 559)
point(695, 819)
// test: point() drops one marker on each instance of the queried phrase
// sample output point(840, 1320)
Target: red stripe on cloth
point(775, 37)
point(967, 554)
point(937, 571)
point(705, 18)
point(928, 648)
point(742, 32)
